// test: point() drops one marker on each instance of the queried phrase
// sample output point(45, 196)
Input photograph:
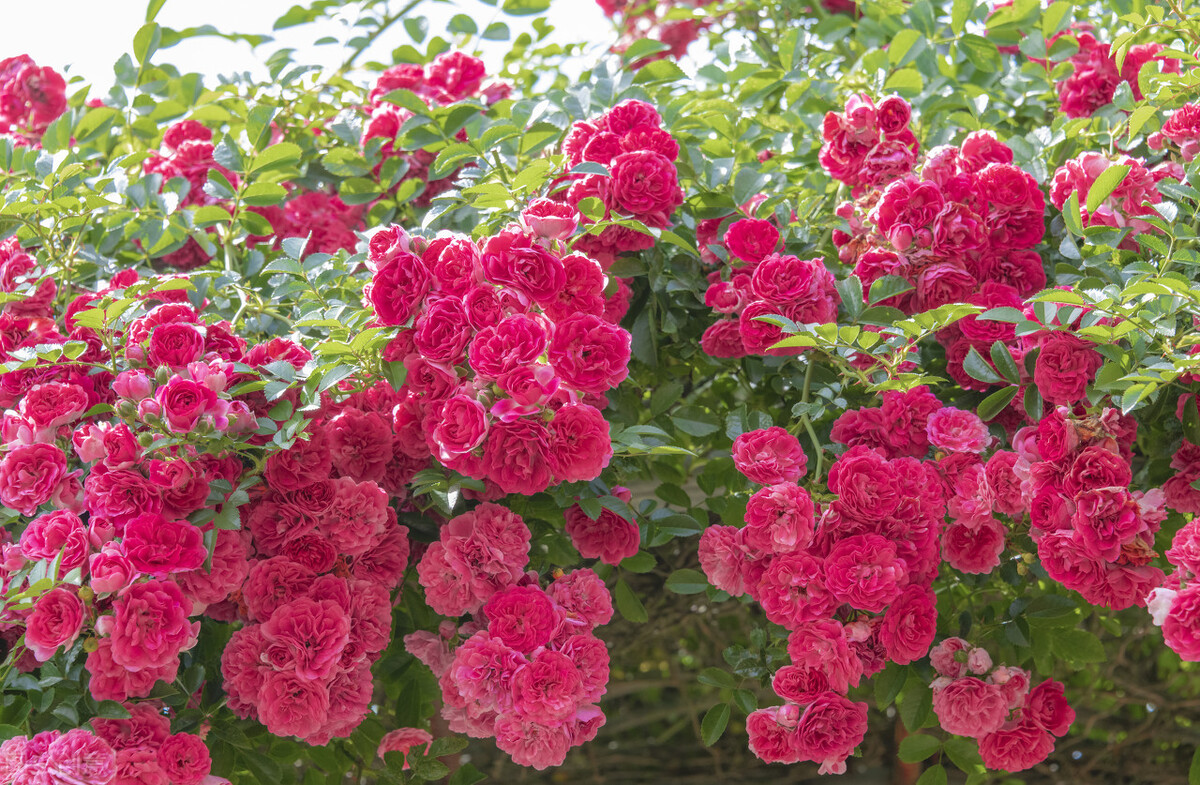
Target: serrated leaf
point(918, 747)
point(977, 368)
point(714, 723)
point(1105, 184)
point(687, 581)
point(628, 604)
point(1004, 362)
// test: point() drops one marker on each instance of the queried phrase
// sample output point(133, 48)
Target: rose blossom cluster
point(867, 146)
point(1014, 725)
point(851, 582)
point(610, 537)
point(1182, 129)
point(105, 473)
point(975, 487)
point(450, 78)
point(187, 152)
point(1175, 606)
point(1093, 534)
point(758, 281)
point(76, 756)
point(316, 602)
point(1095, 78)
point(527, 668)
point(1135, 195)
point(959, 229)
point(509, 344)
point(641, 19)
point(147, 753)
point(31, 97)
point(641, 183)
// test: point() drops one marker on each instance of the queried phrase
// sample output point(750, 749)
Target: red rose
point(184, 402)
point(175, 345)
point(517, 340)
point(643, 184)
point(55, 622)
point(909, 625)
point(52, 404)
point(514, 259)
point(580, 447)
point(590, 354)
point(398, 288)
point(1064, 368)
point(751, 239)
point(184, 759)
point(516, 456)
point(521, 617)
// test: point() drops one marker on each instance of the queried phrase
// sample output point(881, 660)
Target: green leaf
point(687, 581)
point(463, 24)
point(152, 9)
point(1194, 769)
point(918, 747)
point(659, 71)
point(695, 421)
point(888, 286)
point(995, 403)
point(963, 753)
point(978, 368)
point(916, 702)
point(1033, 403)
point(277, 155)
point(1105, 184)
point(713, 724)
point(640, 562)
point(628, 603)
point(525, 7)
point(900, 44)
point(982, 53)
point(888, 684)
point(960, 12)
point(906, 80)
point(715, 677)
point(934, 775)
point(1139, 117)
point(8, 732)
point(1004, 362)
point(263, 194)
point(112, 710)
point(1072, 216)
point(466, 774)
point(146, 42)
point(1077, 646)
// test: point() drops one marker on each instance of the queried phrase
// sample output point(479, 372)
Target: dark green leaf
point(713, 724)
point(687, 581)
point(628, 604)
point(918, 747)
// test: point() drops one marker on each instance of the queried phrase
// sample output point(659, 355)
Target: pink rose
point(956, 430)
point(159, 547)
point(59, 532)
point(309, 636)
point(184, 403)
point(291, 705)
point(79, 756)
point(1065, 366)
point(517, 456)
point(531, 743)
point(823, 645)
point(547, 688)
point(974, 548)
point(521, 617)
point(590, 354)
point(1018, 748)
point(1048, 709)
point(582, 594)
point(723, 559)
point(580, 447)
point(772, 733)
point(175, 345)
point(360, 444)
point(460, 426)
point(769, 456)
point(780, 518)
point(551, 220)
point(398, 288)
point(184, 759)
point(51, 404)
point(515, 341)
point(442, 332)
point(909, 625)
point(29, 475)
point(150, 626)
point(792, 590)
point(109, 680)
point(55, 622)
point(829, 730)
point(305, 462)
point(643, 184)
point(609, 538)
point(970, 707)
point(864, 572)
point(513, 259)
point(109, 571)
point(751, 239)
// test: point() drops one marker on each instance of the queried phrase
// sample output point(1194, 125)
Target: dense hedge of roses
point(395, 350)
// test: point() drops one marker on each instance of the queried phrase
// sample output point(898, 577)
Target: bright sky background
point(87, 36)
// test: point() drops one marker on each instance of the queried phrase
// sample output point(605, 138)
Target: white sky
point(87, 36)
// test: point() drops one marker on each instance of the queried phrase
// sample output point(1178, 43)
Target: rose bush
point(819, 379)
